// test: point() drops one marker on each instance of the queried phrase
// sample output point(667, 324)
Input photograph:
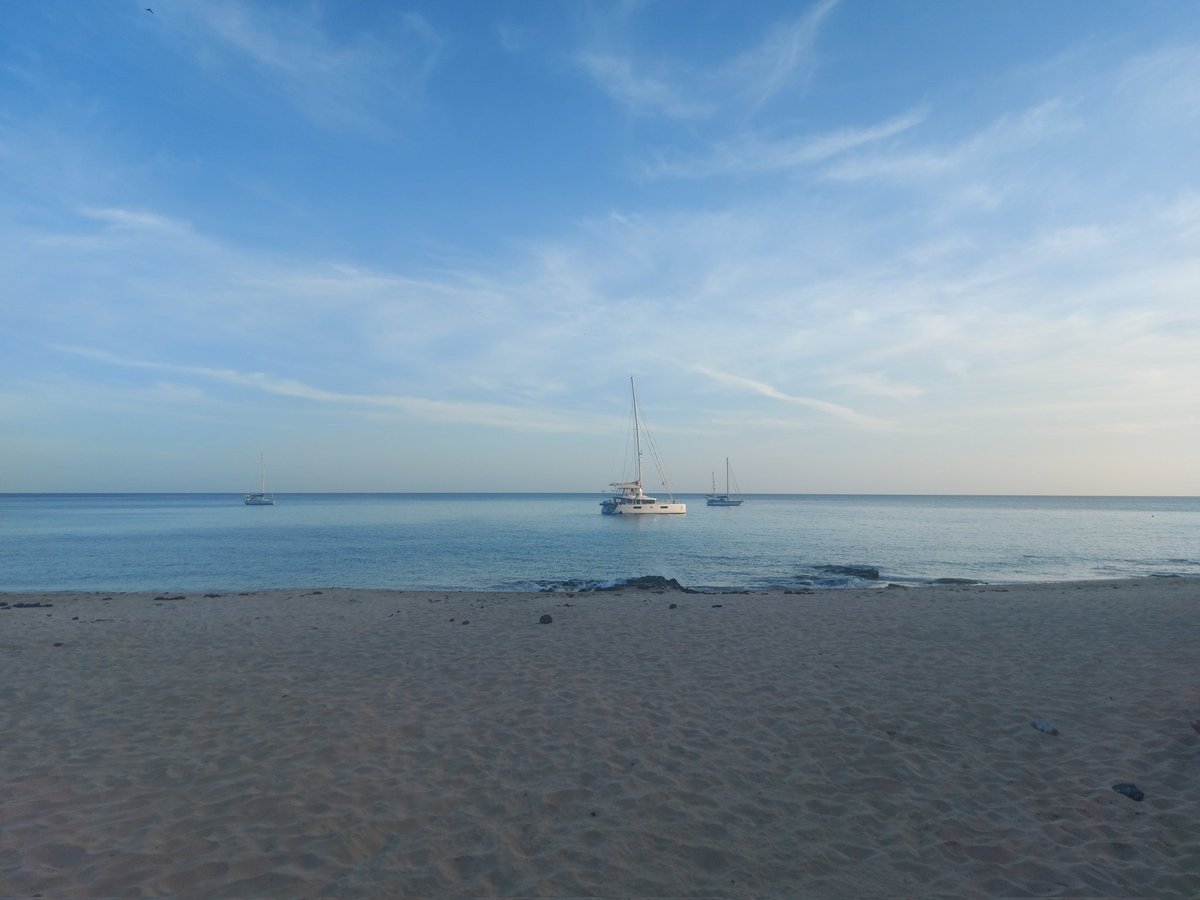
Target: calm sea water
point(126, 542)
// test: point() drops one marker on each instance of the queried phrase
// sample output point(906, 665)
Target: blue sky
point(936, 247)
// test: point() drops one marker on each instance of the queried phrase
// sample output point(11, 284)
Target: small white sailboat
point(726, 499)
point(261, 498)
point(627, 497)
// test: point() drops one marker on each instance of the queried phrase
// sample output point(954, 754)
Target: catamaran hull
point(642, 509)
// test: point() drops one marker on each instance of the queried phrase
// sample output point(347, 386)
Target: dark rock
point(1043, 726)
point(956, 581)
point(868, 573)
point(649, 583)
point(546, 619)
point(1129, 790)
point(33, 606)
point(466, 621)
point(673, 606)
point(58, 644)
point(717, 605)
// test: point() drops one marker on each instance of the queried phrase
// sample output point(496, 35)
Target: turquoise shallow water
point(115, 542)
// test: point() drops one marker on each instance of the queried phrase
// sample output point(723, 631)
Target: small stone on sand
point(1129, 790)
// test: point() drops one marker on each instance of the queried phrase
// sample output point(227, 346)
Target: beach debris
point(1129, 790)
point(1044, 726)
point(546, 619)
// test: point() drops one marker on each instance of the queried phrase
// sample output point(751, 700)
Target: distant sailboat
point(262, 498)
point(726, 499)
point(627, 497)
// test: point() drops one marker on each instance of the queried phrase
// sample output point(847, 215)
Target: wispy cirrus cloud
point(870, 423)
point(643, 92)
point(354, 80)
point(687, 90)
point(1009, 134)
point(785, 56)
point(752, 154)
point(483, 414)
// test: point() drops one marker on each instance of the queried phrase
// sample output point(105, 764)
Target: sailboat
point(726, 499)
point(262, 498)
point(627, 498)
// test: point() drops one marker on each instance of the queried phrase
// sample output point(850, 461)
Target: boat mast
point(637, 429)
point(727, 478)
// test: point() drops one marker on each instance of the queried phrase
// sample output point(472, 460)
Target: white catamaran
point(725, 499)
point(627, 497)
point(262, 498)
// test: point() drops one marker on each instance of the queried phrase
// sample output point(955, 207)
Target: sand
point(373, 743)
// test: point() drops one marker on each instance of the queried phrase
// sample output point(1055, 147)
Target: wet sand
point(387, 743)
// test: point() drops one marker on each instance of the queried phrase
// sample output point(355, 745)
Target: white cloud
point(846, 414)
point(687, 90)
point(786, 55)
point(423, 408)
point(751, 154)
point(641, 93)
point(358, 80)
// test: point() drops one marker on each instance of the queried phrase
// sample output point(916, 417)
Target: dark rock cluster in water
point(866, 573)
point(650, 583)
point(644, 583)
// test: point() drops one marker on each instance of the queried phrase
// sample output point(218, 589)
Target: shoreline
point(641, 584)
point(854, 742)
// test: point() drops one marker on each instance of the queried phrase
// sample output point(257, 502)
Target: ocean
point(532, 542)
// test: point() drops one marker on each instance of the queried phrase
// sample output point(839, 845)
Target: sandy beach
point(643, 743)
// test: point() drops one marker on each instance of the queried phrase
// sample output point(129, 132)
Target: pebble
point(546, 619)
point(1043, 726)
point(1129, 790)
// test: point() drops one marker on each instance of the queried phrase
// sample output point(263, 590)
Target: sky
point(855, 246)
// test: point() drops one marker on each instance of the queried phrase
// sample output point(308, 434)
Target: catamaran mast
point(637, 432)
